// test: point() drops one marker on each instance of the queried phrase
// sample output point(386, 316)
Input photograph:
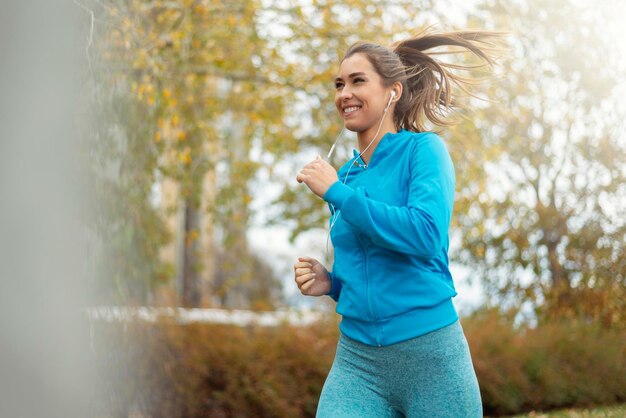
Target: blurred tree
point(129, 230)
point(207, 95)
point(540, 202)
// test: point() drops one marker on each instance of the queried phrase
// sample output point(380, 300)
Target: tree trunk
point(191, 288)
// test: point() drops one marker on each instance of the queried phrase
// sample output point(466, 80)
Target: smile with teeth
point(351, 109)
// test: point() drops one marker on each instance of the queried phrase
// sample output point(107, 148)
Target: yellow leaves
point(127, 24)
point(255, 118)
point(170, 101)
point(190, 78)
point(169, 129)
point(144, 91)
point(163, 41)
point(157, 136)
point(179, 35)
point(185, 156)
point(200, 9)
point(192, 236)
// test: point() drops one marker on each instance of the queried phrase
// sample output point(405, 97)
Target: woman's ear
point(397, 91)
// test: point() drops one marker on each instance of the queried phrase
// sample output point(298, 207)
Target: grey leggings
point(428, 376)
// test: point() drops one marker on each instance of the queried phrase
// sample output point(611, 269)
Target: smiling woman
point(360, 99)
point(402, 351)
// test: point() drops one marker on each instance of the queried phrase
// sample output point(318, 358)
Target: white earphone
point(393, 94)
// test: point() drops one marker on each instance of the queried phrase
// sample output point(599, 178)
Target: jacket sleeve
point(335, 288)
point(420, 228)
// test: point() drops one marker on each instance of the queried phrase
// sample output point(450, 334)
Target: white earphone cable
point(333, 218)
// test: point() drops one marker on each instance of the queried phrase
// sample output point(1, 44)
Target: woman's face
point(360, 95)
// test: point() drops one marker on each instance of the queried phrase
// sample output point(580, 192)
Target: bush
point(560, 364)
point(166, 369)
point(209, 370)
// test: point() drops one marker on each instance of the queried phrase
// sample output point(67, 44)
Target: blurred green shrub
point(166, 369)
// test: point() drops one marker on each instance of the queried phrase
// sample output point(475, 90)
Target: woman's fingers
point(307, 170)
point(301, 280)
point(303, 272)
point(305, 276)
point(301, 264)
point(307, 285)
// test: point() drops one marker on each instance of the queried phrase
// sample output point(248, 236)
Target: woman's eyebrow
point(358, 74)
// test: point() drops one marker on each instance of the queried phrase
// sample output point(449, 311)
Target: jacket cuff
point(335, 287)
point(337, 193)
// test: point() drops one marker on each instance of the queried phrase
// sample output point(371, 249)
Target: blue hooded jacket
point(390, 222)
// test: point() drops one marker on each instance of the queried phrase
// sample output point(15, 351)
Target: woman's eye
point(358, 80)
point(338, 85)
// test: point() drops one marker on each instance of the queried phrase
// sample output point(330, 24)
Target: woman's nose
point(345, 94)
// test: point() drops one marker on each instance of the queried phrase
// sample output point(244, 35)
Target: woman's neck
point(365, 138)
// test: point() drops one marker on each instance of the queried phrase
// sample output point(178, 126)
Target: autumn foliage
point(208, 370)
point(558, 364)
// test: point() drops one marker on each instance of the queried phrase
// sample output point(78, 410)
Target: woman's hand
point(318, 175)
point(311, 277)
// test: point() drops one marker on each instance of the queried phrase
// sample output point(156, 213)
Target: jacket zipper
point(368, 296)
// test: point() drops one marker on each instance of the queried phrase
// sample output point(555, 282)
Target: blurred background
point(148, 156)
